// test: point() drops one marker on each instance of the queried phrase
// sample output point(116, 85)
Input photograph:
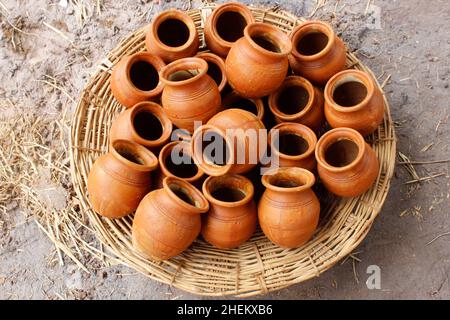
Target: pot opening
point(266, 43)
point(312, 43)
point(243, 104)
point(230, 26)
point(282, 180)
point(292, 144)
point(349, 93)
point(292, 100)
point(144, 75)
point(228, 194)
point(129, 154)
point(185, 170)
point(183, 194)
point(173, 32)
point(215, 149)
point(147, 125)
point(215, 72)
point(183, 75)
point(341, 153)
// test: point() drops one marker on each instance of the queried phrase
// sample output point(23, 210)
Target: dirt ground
point(49, 48)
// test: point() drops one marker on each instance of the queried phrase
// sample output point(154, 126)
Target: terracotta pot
point(258, 62)
point(225, 25)
point(229, 143)
point(172, 35)
point(353, 100)
point(145, 123)
point(135, 78)
point(317, 53)
point(189, 94)
point(234, 100)
point(232, 215)
point(119, 179)
point(216, 68)
point(297, 100)
point(168, 220)
point(289, 210)
point(346, 164)
point(293, 145)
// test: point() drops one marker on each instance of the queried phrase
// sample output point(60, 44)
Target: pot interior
point(292, 99)
point(183, 194)
point(130, 154)
point(341, 153)
point(266, 43)
point(215, 72)
point(148, 126)
point(230, 26)
point(312, 43)
point(286, 180)
point(173, 32)
point(292, 144)
point(349, 93)
point(180, 164)
point(228, 194)
point(214, 148)
point(144, 75)
point(182, 75)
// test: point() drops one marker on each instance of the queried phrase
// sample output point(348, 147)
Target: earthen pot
point(145, 123)
point(297, 100)
point(353, 100)
point(172, 35)
point(258, 62)
point(346, 164)
point(168, 220)
point(135, 78)
point(119, 179)
point(189, 94)
point(216, 68)
point(232, 215)
point(234, 100)
point(231, 142)
point(317, 52)
point(289, 210)
point(225, 25)
point(292, 145)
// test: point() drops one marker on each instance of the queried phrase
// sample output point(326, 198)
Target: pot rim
point(147, 155)
point(182, 65)
point(155, 61)
point(306, 174)
point(247, 198)
point(234, 96)
point(197, 196)
point(282, 39)
point(218, 61)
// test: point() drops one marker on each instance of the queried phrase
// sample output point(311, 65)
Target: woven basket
point(258, 266)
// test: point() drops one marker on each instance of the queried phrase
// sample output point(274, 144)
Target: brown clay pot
point(297, 100)
point(293, 145)
point(234, 100)
point(228, 143)
point(135, 78)
point(168, 220)
point(216, 68)
point(189, 94)
point(145, 123)
point(289, 210)
point(119, 179)
point(346, 164)
point(353, 100)
point(317, 53)
point(232, 215)
point(225, 25)
point(172, 35)
point(258, 62)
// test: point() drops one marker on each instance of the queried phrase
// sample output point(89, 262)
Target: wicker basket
point(258, 266)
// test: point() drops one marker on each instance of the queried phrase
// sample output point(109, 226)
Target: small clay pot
point(317, 53)
point(258, 62)
point(145, 123)
point(353, 100)
point(172, 35)
point(229, 143)
point(119, 179)
point(232, 215)
point(135, 78)
point(189, 94)
point(346, 164)
point(225, 25)
point(234, 100)
point(216, 68)
point(289, 210)
point(292, 145)
point(168, 220)
point(297, 100)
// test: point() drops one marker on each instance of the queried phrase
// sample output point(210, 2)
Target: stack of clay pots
point(253, 76)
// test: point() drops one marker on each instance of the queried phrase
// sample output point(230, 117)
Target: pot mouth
point(312, 40)
point(185, 195)
point(230, 190)
point(183, 71)
point(216, 68)
point(142, 72)
point(175, 160)
point(234, 101)
point(268, 39)
point(288, 179)
point(295, 141)
point(134, 155)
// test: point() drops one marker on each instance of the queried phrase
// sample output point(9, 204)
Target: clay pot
point(297, 100)
point(293, 145)
point(135, 78)
point(346, 164)
point(145, 123)
point(225, 25)
point(168, 220)
point(229, 143)
point(189, 94)
point(232, 215)
point(216, 68)
point(258, 62)
point(234, 100)
point(172, 35)
point(119, 179)
point(317, 53)
point(353, 100)
point(289, 210)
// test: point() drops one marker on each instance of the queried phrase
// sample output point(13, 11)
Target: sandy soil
point(406, 39)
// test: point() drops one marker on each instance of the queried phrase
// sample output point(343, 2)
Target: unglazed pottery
point(258, 62)
point(353, 100)
point(234, 100)
point(216, 68)
point(225, 25)
point(168, 220)
point(135, 78)
point(172, 35)
point(289, 210)
point(119, 179)
point(232, 216)
point(297, 100)
point(189, 94)
point(317, 53)
point(346, 164)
